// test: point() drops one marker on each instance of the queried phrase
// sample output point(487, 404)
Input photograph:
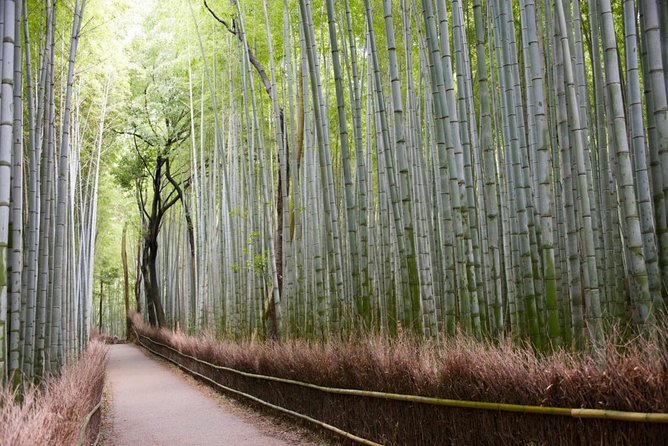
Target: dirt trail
point(153, 405)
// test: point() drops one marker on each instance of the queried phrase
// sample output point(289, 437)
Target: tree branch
point(267, 86)
point(140, 199)
point(135, 134)
point(141, 157)
point(225, 24)
point(251, 56)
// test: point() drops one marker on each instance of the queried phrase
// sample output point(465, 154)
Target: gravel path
point(153, 405)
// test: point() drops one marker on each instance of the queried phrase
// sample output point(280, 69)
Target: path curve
point(152, 405)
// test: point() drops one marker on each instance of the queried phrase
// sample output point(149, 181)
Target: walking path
point(152, 405)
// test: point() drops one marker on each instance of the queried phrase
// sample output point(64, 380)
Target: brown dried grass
point(632, 378)
point(53, 413)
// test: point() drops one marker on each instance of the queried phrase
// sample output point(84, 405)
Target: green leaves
point(129, 169)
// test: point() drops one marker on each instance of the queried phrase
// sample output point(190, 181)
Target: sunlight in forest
point(413, 221)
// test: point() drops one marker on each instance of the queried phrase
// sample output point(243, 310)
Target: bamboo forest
point(481, 175)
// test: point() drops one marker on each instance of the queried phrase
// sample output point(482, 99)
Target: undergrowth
point(632, 378)
point(53, 413)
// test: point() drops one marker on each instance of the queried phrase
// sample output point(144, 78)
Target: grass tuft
point(632, 378)
point(52, 414)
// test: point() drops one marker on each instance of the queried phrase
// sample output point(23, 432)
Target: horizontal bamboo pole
point(600, 414)
point(334, 429)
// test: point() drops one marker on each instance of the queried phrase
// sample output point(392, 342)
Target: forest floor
point(151, 403)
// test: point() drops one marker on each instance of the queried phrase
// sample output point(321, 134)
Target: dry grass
point(53, 413)
point(630, 379)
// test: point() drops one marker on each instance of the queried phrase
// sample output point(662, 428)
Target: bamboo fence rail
point(601, 414)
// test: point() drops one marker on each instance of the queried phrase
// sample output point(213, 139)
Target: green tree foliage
point(339, 167)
